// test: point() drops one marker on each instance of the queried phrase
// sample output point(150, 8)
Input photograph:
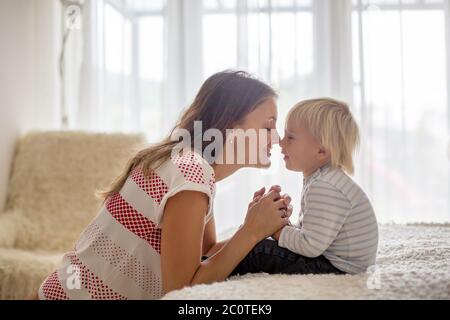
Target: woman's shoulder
point(186, 172)
point(187, 168)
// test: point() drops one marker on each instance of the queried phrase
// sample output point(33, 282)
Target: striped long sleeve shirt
point(336, 220)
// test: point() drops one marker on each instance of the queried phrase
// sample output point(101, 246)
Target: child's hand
point(287, 214)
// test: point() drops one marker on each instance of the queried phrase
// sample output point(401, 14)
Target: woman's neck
point(222, 171)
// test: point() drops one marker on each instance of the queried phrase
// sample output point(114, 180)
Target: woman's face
point(259, 131)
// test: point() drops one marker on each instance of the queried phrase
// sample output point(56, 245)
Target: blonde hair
point(332, 124)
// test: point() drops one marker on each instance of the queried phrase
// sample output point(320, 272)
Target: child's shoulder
point(336, 180)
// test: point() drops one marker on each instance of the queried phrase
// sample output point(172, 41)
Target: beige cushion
point(51, 199)
point(22, 271)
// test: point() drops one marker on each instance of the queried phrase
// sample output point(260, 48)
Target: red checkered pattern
point(52, 288)
point(127, 264)
point(190, 165)
point(115, 258)
point(137, 223)
point(93, 284)
point(154, 186)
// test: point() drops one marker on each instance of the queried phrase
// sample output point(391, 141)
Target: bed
point(413, 262)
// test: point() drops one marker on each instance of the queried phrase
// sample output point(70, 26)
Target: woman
point(157, 219)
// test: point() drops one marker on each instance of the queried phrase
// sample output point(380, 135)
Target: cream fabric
point(51, 199)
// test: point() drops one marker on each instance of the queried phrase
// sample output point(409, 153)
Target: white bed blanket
point(413, 263)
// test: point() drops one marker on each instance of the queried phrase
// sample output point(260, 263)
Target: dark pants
point(268, 257)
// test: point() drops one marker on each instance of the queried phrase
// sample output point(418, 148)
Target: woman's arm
point(210, 244)
point(210, 231)
point(216, 247)
point(182, 236)
point(209, 237)
point(219, 266)
point(182, 240)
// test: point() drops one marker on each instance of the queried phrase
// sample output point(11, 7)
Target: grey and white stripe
point(336, 220)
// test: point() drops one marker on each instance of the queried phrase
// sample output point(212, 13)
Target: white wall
point(29, 91)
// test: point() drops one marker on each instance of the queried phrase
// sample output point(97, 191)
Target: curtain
point(401, 89)
point(143, 62)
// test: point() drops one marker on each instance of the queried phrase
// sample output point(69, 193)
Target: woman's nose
point(274, 137)
point(282, 142)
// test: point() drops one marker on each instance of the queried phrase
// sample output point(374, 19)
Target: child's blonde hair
point(332, 124)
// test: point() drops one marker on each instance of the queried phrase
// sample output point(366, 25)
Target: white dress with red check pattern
point(118, 254)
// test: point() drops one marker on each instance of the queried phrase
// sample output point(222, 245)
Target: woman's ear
point(231, 136)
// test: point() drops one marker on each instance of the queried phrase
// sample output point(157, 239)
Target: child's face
point(303, 153)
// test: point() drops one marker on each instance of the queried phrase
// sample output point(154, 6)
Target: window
point(134, 59)
point(387, 58)
point(401, 97)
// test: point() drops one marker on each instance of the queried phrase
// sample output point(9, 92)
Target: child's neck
point(308, 173)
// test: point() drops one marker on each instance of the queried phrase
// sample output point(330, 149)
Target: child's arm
point(326, 209)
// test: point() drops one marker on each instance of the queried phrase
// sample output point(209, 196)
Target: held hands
point(268, 213)
point(288, 213)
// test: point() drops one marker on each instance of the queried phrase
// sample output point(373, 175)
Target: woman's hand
point(266, 213)
point(276, 235)
point(258, 195)
point(287, 214)
point(183, 236)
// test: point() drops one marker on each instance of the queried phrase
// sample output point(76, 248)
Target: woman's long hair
point(223, 101)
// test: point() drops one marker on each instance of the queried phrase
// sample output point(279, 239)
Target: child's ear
point(323, 154)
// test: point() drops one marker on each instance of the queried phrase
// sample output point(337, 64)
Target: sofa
point(51, 198)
